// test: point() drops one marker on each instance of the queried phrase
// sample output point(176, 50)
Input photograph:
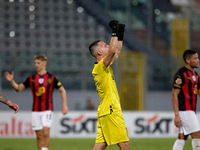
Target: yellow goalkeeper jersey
point(106, 88)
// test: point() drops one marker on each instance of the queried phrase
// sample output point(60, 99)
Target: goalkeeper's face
point(40, 65)
point(104, 48)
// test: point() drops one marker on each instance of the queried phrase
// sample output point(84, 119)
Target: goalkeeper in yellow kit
point(111, 127)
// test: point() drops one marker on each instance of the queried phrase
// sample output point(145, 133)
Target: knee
point(46, 134)
point(195, 135)
point(127, 145)
point(100, 146)
point(39, 135)
point(124, 146)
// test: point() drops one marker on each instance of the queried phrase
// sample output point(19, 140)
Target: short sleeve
point(198, 86)
point(27, 82)
point(179, 80)
point(99, 68)
point(57, 84)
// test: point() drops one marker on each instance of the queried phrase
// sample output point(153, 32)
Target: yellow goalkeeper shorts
point(111, 129)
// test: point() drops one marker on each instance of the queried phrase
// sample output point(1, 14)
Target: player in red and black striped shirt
point(186, 86)
point(42, 85)
point(42, 89)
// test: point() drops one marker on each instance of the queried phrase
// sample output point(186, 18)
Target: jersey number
point(48, 117)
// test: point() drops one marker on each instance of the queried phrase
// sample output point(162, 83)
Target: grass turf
point(87, 144)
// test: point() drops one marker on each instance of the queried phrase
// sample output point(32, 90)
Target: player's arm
point(175, 93)
point(198, 86)
point(117, 53)
point(17, 87)
point(64, 109)
point(120, 35)
point(198, 92)
point(113, 43)
point(10, 104)
point(111, 52)
point(10, 78)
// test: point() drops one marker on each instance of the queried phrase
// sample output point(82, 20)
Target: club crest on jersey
point(41, 80)
point(178, 81)
point(193, 77)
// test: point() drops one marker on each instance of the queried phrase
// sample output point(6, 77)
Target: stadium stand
point(64, 29)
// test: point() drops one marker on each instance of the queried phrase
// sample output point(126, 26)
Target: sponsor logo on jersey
point(41, 90)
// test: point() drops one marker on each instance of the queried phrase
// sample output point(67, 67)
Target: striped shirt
point(188, 82)
point(42, 90)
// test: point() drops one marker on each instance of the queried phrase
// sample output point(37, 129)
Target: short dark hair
point(188, 53)
point(93, 46)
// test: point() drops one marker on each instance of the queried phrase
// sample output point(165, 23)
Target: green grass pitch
point(87, 144)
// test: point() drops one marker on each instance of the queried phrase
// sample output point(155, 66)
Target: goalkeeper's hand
point(113, 24)
point(121, 29)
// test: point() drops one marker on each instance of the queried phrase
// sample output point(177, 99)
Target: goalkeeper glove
point(113, 24)
point(121, 29)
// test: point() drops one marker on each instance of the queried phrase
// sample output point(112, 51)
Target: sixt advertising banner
point(77, 124)
point(150, 124)
point(82, 124)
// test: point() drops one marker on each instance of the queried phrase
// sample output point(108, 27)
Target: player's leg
point(196, 140)
point(100, 143)
point(114, 130)
point(124, 146)
point(190, 126)
point(46, 138)
point(180, 142)
point(47, 119)
point(100, 146)
point(39, 137)
point(37, 127)
point(194, 129)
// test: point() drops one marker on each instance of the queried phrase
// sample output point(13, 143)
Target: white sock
point(179, 144)
point(196, 144)
point(44, 148)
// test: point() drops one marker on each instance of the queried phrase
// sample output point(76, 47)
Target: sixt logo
point(152, 125)
point(78, 125)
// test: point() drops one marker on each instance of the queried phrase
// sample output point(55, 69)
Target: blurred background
point(157, 33)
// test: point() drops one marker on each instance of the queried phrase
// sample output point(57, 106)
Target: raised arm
point(113, 24)
point(64, 109)
point(117, 53)
point(177, 120)
point(111, 52)
point(120, 35)
point(10, 78)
